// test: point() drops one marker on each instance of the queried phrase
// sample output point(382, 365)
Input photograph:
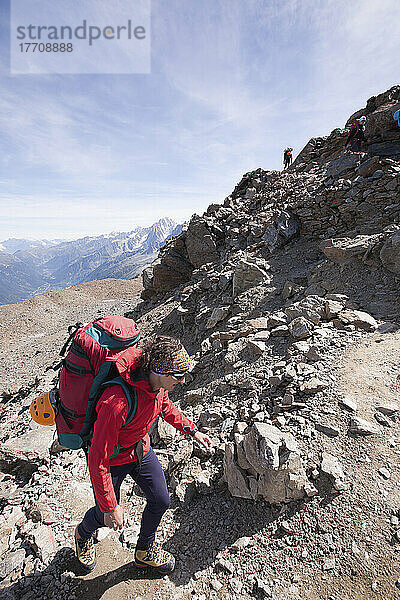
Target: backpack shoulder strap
point(96, 390)
point(130, 395)
point(132, 399)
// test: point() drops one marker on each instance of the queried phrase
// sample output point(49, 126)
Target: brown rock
point(359, 319)
point(247, 275)
point(368, 167)
point(200, 244)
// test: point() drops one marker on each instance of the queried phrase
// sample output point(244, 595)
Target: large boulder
point(389, 148)
point(170, 269)
point(358, 318)
point(148, 277)
point(246, 275)
point(381, 130)
point(287, 225)
point(265, 462)
point(166, 278)
point(284, 227)
point(390, 253)
point(343, 250)
point(25, 453)
point(200, 243)
point(379, 111)
point(382, 119)
point(368, 167)
point(346, 162)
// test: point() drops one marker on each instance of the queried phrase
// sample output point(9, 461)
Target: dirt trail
point(115, 576)
point(371, 371)
point(368, 375)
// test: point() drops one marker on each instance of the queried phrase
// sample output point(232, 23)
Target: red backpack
point(86, 370)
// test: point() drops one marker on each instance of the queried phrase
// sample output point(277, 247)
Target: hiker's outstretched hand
point(203, 440)
point(114, 519)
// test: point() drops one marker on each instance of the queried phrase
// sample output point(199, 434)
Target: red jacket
point(109, 429)
point(356, 132)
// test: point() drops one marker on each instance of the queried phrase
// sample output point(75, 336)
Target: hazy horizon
point(78, 237)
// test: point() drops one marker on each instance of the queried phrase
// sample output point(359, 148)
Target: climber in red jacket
point(153, 371)
point(356, 134)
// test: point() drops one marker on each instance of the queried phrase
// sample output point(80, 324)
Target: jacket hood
point(128, 365)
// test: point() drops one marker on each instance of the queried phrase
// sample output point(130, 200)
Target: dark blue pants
point(151, 480)
point(355, 145)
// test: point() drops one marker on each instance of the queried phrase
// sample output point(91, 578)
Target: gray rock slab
point(256, 346)
point(313, 385)
point(27, 451)
point(234, 476)
point(275, 469)
point(13, 561)
point(218, 314)
point(247, 275)
point(348, 403)
point(327, 429)
point(368, 167)
point(362, 427)
point(200, 243)
point(344, 163)
point(300, 328)
point(358, 318)
point(331, 466)
point(390, 254)
point(43, 542)
point(387, 408)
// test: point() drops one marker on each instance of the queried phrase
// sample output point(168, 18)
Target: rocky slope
point(328, 192)
point(29, 268)
point(287, 297)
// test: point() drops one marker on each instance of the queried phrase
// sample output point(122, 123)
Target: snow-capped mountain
point(30, 267)
point(15, 244)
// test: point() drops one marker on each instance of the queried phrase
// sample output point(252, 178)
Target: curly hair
point(161, 346)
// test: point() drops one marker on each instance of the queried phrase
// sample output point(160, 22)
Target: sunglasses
point(177, 376)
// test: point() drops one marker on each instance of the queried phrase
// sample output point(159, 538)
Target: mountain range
point(31, 267)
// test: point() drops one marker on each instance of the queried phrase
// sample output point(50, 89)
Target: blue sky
point(232, 83)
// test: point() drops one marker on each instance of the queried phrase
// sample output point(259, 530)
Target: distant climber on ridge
point(287, 158)
point(356, 135)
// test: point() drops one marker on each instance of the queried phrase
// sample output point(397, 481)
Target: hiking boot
point(85, 551)
point(155, 557)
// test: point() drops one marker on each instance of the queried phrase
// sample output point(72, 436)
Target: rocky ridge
point(287, 298)
point(328, 192)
